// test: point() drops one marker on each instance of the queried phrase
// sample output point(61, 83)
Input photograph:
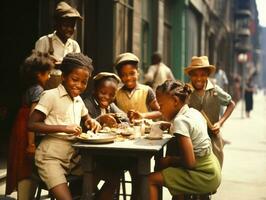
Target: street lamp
point(242, 59)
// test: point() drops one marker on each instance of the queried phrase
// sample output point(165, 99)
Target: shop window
point(124, 24)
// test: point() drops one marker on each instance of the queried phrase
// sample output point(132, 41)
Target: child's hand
point(132, 115)
point(164, 125)
point(107, 120)
point(73, 129)
point(167, 161)
point(31, 150)
point(216, 128)
point(93, 125)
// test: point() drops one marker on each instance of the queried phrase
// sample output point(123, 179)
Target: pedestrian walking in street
point(220, 79)
point(59, 43)
point(196, 170)
point(236, 88)
point(248, 96)
point(158, 72)
point(34, 75)
point(208, 98)
point(59, 115)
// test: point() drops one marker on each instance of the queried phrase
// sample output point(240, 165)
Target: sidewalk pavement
point(244, 169)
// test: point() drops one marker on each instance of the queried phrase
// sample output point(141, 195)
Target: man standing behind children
point(158, 72)
point(59, 43)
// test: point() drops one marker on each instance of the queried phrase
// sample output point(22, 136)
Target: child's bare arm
point(91, 123)
point(31, 136)
point(187, 158)
point(36, 124)
point(154, 114)
point(228, 111)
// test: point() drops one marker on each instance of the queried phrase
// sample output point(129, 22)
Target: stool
point(206, 196)
point(42, 186)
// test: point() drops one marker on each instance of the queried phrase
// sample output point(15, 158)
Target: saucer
point(149, 137)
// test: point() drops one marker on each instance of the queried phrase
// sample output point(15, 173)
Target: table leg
point(144, 169)
point(157, 157)
point(88, 167)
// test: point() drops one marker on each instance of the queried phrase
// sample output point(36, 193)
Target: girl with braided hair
point(196, 170)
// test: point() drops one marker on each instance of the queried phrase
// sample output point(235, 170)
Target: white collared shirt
point(189, 122)
point(60, 49)
point(60, 109)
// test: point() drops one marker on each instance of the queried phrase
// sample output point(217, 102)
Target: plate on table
point(151, 137)
point(97, 138)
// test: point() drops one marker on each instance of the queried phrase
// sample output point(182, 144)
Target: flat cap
point(101, 75)
point(126, 57)
point(63, 10)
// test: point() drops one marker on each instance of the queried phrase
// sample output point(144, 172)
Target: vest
point(134, 101)
point(209, 103)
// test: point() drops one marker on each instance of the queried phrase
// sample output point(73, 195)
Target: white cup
point(137, 131)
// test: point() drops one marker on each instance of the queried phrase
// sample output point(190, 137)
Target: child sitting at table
point(135, 99)
point(196, 170)
point(100, 103)
point(58, 115)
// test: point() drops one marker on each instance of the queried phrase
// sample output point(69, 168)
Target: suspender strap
point(51, 48)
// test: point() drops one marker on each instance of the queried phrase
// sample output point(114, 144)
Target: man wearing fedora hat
point(208, 98)
point(59, 43)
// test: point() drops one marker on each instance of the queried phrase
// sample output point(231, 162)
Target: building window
point(167, 33)
point(146, 28)
point(194, 30)
point(123, 26)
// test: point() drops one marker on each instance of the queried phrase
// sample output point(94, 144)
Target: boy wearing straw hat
point(208, 98)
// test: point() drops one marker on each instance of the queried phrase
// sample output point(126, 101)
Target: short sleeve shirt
point(211, 102)
point(224, 97)
point(60, 49)
point(33, 94)
point(190, 123)
point(158, 74)
point(60, 109)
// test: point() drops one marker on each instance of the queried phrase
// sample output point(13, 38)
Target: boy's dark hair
point(126, 58)
point(175, 88)
point(37, 62)
point(156, 58)
point(120, 65)
point(75, 60)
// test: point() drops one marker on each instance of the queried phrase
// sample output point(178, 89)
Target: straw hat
point(106, 74)
point(199, 63)
point(63, 10)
